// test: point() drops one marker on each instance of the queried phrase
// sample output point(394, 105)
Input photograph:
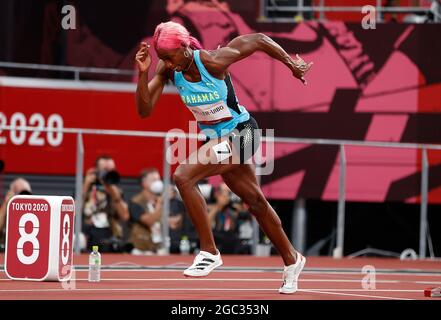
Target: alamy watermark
point(69, 20)
point(369, 280)
point(233, 147)
point(370, 19)
point(71, 283)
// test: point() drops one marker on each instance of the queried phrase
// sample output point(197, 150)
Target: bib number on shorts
point(222, 151)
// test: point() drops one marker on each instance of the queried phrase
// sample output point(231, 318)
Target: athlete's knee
point(262, 210)
point(182, 177)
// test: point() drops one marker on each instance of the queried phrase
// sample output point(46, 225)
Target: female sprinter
point(204, 83)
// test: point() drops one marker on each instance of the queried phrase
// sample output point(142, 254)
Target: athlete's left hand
point(299, 68)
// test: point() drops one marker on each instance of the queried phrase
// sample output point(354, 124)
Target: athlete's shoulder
point(211, 63)
point(207, 56)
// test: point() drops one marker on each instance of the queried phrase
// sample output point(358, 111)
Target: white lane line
point(210, 289)
point(369, 290)
point(234, 280)
point(135, 289)
point(416, 273)
point(221, 289)
point(319, 291)
point(352, 295)
point(254, 280)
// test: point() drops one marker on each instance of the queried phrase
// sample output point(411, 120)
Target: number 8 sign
point(39, 236)
point(66, 239)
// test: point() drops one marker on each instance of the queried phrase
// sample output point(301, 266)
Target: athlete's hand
point(300, 68)
point(143, 58)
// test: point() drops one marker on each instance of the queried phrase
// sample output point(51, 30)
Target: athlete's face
point(174, 59)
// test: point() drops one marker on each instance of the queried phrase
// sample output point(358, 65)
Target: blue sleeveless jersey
point(213, 102)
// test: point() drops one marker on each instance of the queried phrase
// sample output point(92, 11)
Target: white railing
point(76, 71)
point(338, 251)
point(321, 8)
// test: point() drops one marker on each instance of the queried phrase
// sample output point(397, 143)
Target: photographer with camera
point(18, 186)
point(146, 213)
point(105, 213)
point(224, 220)
point(231, 221)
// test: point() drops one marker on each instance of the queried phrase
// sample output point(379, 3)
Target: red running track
point(240, 278)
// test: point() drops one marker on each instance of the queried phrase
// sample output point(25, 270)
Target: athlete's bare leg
point(242, 181)
point(186, 178)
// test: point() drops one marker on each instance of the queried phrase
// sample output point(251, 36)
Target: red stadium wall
point(372, 173)
point(82, 108)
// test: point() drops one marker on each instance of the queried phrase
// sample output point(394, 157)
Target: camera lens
point(112, 177)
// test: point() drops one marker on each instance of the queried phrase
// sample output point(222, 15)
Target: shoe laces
point(288, 277)
point(290, 274)
point(202, 261)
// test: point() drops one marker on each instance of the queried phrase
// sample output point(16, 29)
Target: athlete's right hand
point(143, 58)
point(300, 68)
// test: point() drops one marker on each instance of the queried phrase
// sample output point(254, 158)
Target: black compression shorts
point(245, 139)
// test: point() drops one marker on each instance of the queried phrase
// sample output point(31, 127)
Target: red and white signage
point(373, 174)
point(39, 238)
point(56, 105)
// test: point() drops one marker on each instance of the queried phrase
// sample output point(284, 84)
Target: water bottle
point(184, 245)
point(94, 265)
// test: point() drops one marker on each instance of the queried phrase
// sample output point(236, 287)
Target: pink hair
point(171, 35)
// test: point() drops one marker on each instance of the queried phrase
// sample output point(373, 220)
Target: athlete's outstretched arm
point(245, 45)
point(147, 93)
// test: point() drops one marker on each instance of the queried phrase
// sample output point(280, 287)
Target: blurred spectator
point(435, 11)
point(391, 17)
point(177, 221)
point(244, 226)
point(145, 214)
point(105, 212)
point(434, 14)
point(17, 186)
point(229, 220)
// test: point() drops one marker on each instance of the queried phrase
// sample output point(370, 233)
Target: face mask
point(157, 187)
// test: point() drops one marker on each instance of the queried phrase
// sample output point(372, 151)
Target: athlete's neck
point(191, 62)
